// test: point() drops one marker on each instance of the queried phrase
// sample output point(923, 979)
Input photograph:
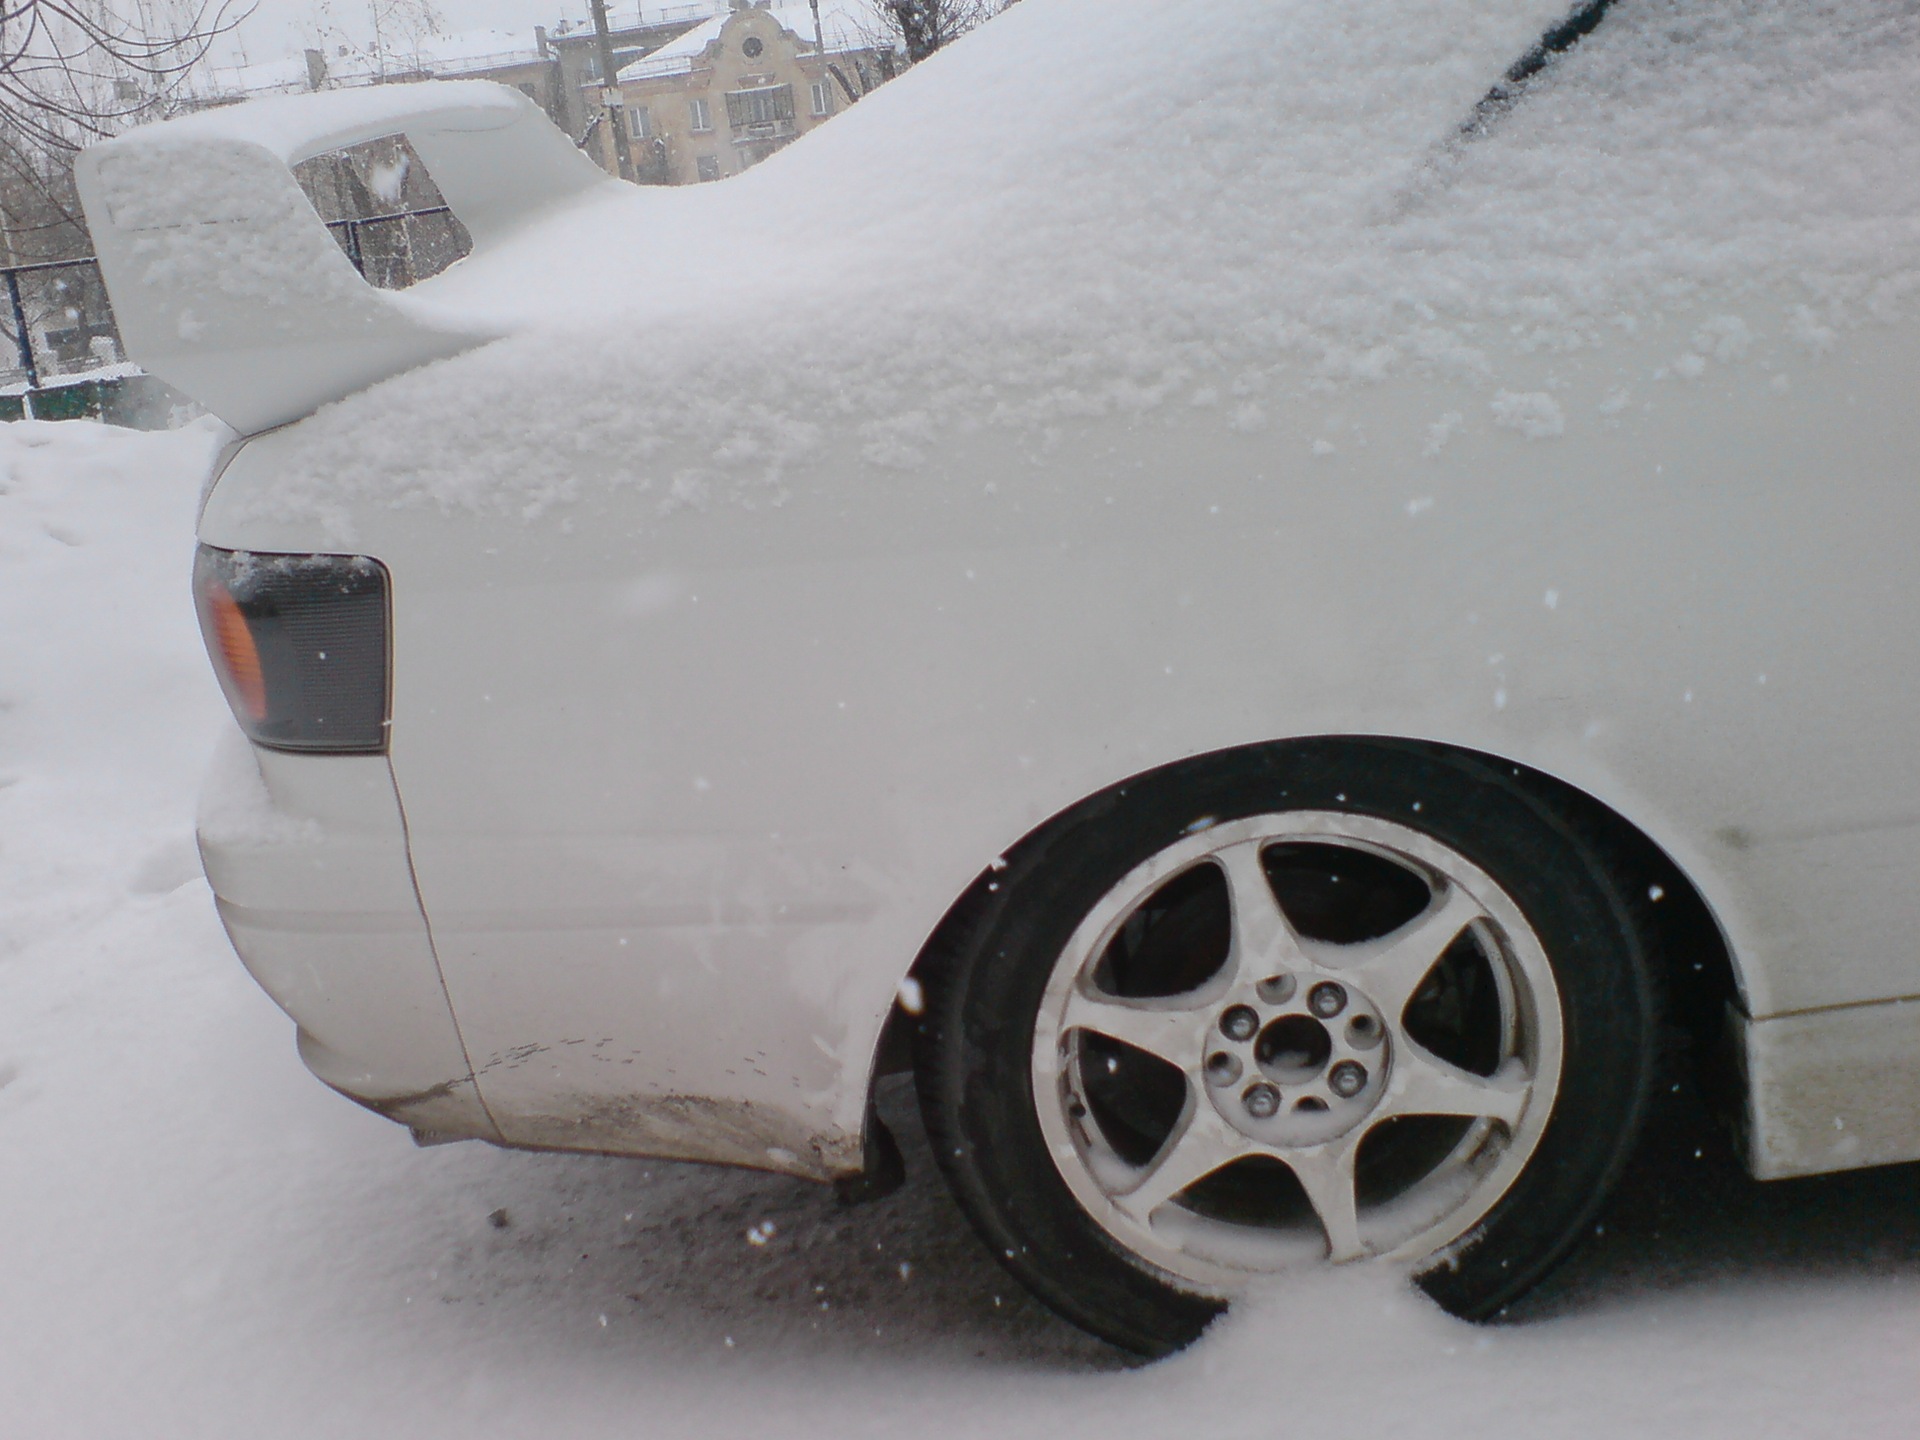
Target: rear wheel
point(1337, 1000)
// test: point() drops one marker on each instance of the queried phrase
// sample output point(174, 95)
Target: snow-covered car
point(1270, 596)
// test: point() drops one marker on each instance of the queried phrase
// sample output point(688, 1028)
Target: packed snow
point(200, 1241)
point(1134, 209)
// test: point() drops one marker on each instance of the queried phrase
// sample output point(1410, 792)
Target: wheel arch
point(1697, 963)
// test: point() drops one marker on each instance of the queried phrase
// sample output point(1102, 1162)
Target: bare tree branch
point(924, 26)
point(73, 71)
point(76, 71)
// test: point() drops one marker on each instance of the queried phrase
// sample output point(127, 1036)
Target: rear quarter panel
point(690, 777)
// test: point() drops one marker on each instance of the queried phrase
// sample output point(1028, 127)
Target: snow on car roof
point(1124, 207)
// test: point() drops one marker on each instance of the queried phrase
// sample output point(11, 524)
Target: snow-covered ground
point(197, 1240)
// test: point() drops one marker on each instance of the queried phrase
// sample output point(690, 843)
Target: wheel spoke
point(1326, 1174)
point(1263, 941)
point(1397, 963)
point(1199, 1145)
point(1164, 1028)
point(1424, 1084)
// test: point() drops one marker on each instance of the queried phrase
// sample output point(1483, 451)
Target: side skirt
point(1831, 1089)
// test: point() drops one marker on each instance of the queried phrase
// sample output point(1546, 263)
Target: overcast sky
point(276, 27)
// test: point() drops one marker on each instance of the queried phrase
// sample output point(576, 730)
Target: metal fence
point(57, 324)
point(61, 339)
point(404, 248)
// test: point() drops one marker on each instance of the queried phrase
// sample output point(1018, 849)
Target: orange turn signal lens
point(235, 653)
point(299, 643)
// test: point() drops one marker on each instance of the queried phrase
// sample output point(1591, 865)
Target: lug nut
point(1239, 1022)
point(1222, 1068)
point(1347, 1079)
point(1262, 1101)
point(1327, 999)
point(1276, 989)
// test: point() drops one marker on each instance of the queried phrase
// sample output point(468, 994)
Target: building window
point(760, 111)
point(707, 167)
point(821, 100)
point(639, 123)
point(621, 59)
point(702, 118)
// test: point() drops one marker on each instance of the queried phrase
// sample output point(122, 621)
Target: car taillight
point(300, 645)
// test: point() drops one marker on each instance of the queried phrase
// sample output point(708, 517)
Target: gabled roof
point(844, 25)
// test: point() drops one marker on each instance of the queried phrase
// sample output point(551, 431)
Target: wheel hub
point(1296, 1061)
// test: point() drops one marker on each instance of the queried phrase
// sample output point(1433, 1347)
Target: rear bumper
point(307, 856)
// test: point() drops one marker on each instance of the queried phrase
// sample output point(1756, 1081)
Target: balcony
point(755, 132)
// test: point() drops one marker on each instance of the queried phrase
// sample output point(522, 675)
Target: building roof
point(350, 64)
point(574, 27)
point(355, 63)
point(844, 25)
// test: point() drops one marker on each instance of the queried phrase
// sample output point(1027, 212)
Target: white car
point(1269, 595)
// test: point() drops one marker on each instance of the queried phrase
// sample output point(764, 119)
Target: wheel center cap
point(1298, 1061)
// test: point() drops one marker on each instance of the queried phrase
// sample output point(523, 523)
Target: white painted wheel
point(1300, 1051)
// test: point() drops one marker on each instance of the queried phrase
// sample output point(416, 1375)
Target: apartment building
point(727, 93)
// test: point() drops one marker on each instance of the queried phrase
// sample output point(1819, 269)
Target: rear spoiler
point(227, 285)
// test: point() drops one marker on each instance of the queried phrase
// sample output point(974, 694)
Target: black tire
point(986, 981)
